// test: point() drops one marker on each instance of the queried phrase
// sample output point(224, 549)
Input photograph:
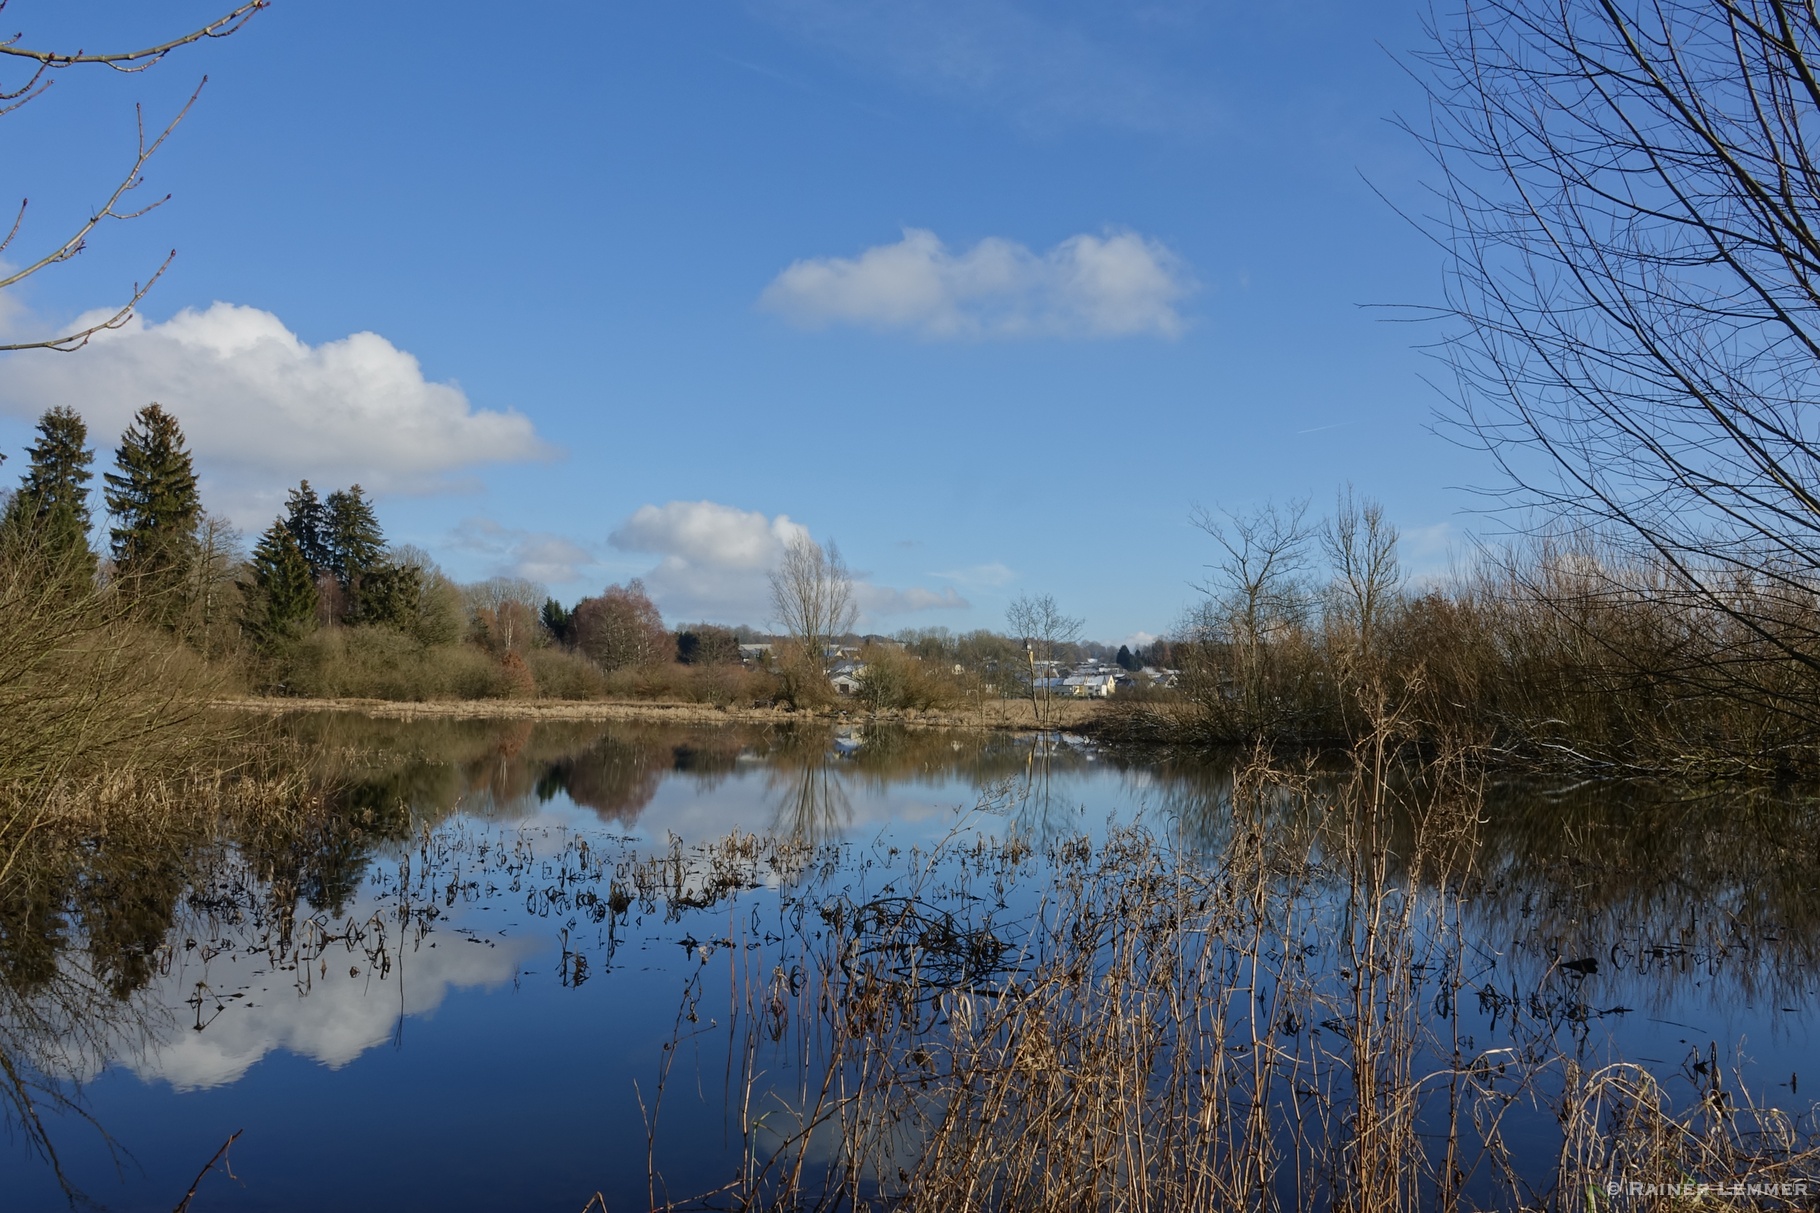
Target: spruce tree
point(153, 499)
point(558, 621)
point(308, 524)
point(356, 546)
point(280, 602)
point(51, 509)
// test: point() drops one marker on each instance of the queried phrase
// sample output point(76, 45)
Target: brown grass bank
point(999, 714)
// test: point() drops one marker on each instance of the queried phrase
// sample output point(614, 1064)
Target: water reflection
point(187, 960)
point(808, 789)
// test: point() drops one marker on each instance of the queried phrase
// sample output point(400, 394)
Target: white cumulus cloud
point(263, 409)
point(1120, 284)
point(707, 533)
point(715, 562)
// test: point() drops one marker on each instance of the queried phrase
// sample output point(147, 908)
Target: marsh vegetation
point(905, 969)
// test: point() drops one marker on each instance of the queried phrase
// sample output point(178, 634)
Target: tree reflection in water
point(1668, 891)
point(805, 780)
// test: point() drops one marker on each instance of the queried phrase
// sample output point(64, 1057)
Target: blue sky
point(992, 293)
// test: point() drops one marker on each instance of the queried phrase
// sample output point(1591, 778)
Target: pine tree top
point(60, 464)
point(308, 522)
point(356, 542)
point(152, 495)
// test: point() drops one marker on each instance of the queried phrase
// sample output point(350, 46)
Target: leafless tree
point(1258, 585)
point(1361, 545)
point(503, 612)
point(40, 67)
point(1257, 594)
point(1045, 632)
point(1630, 200)
point(812, 597)
point(220, 549)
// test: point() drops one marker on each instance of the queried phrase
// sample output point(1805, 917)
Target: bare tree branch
point(133, 61)
point(70, 342)
point(123, 61)
point(1630, 201)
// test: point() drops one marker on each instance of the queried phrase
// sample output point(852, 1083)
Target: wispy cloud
point(539, 556)
point(1429, 553)
point(1120, 284)
point(263, 409)
point(984, 576)
point(1016, 58)
point(876, 601)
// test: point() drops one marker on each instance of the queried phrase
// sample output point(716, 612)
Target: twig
point(183, 1207)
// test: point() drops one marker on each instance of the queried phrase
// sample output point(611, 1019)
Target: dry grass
point(995, 714)
point(1252, 1028)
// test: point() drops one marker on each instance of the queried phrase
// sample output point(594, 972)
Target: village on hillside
point(1089, 677)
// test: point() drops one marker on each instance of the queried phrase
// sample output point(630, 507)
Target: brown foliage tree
point(622, 628)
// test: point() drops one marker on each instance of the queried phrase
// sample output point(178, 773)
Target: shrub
point(894, 678)
point(379, 662)
point(517, 677)
point(562, 674)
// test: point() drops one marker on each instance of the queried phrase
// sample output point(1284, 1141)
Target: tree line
point(322, 604)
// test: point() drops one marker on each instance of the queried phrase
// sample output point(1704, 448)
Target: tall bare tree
point(1631, 205)
point(1361, 545)
point(1257, 593)
point(812, 597)
point(38, 70)
point(1258, 585)
point(1045, 632)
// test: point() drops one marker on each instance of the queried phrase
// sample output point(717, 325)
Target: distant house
point(755, 654)
point(1160, 678)
point(844, 678)
point(1095, 685)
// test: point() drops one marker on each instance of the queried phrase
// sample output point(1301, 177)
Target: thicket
point(1555, 650)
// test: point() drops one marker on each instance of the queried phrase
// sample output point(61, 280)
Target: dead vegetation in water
point(1273, 1024)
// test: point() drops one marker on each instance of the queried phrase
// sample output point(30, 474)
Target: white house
point(1089, 686)
point(844, 678)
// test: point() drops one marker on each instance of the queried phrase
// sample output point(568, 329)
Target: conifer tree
point(308, 524)
point(558, 621)
point(51, 508)
point(153, 499)
point(280, 600)
point(355, 542)
point(391, 594)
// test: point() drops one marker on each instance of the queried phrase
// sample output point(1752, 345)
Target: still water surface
point(447, 1008)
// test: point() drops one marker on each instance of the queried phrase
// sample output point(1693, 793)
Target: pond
point(522, 965)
